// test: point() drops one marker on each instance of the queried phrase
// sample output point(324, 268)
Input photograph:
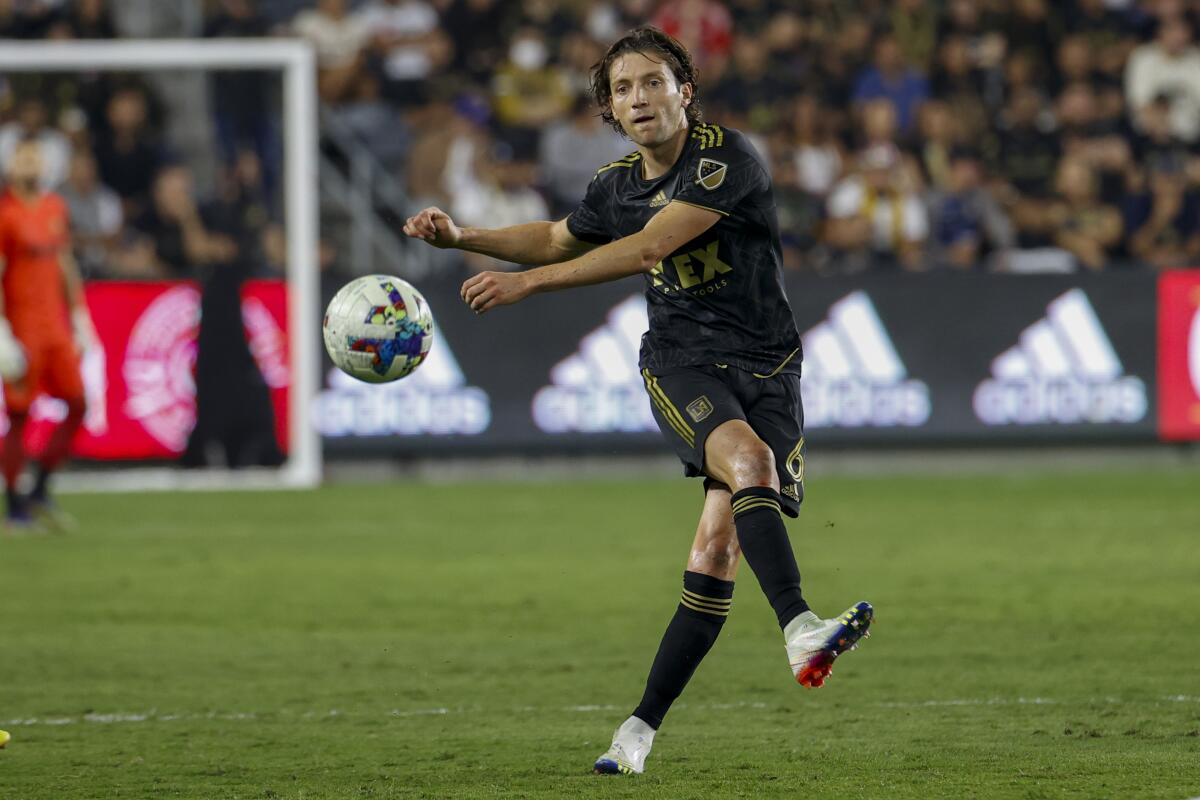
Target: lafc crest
point(711, 173)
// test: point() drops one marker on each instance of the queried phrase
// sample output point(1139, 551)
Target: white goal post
point(294, 58)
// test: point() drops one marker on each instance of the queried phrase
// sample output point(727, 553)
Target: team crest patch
point(711, 173)
point(699, 408)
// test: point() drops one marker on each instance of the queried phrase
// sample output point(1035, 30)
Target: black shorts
point(690, 402)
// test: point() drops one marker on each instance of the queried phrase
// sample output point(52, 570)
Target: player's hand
point(83, 329)
point(434, 226)
point(13, 364)
point(487, 290)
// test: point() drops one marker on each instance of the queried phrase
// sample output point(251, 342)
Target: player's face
point(25, 166)
point(646, 99)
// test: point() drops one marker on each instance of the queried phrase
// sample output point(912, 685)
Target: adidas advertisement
point(435, 400)
point(889, 360)
point(1062, 370)
point(598, 389)
point(853, 376)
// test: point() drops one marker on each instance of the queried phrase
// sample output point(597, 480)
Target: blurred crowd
point(1014, 135)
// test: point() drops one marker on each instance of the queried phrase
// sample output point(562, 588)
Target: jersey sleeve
point(722, 171)
point(586, 222)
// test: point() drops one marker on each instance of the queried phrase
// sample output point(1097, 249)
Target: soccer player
point(692, 210)
point(44, 327)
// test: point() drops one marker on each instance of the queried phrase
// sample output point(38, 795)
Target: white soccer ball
point(378, 328)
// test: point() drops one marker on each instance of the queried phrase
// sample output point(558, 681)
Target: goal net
point(147, 380)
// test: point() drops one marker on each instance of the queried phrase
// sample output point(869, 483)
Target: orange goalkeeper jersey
point(31, 237)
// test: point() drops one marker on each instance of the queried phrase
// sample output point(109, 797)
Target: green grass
point(1037, 637)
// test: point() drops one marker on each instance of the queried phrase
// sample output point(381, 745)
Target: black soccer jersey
point(718, 299)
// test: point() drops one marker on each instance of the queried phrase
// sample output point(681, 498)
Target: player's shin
point(689, 636)
point(765, 545)
point(57, 449)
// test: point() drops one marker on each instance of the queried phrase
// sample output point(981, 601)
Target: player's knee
point(754, 465)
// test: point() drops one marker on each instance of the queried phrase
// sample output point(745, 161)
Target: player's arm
point(668, 230)
point(81, 318)
point(531, 243)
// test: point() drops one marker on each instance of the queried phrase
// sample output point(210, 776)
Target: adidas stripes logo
point(707, 605)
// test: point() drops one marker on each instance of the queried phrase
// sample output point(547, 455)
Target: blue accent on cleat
point(606, 766)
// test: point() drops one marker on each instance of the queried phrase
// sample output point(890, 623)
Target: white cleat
point(630, 746)
point(813, 643)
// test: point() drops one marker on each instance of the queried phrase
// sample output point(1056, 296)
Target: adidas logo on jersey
point(598, 388)
point(435, 400)
point(1063, 370)
point(659, 200)
point(853, 376)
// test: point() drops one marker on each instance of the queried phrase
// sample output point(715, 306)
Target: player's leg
point(735, 455)
point(63, 380)
point(775, 414)
point(18, 396)
point(703, 607)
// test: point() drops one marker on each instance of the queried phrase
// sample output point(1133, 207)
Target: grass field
point(1037, 637)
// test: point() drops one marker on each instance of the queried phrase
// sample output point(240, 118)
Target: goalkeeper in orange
point(44, 329)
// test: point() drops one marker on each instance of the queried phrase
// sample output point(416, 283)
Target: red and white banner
point(1179, 355)
point(140, 379)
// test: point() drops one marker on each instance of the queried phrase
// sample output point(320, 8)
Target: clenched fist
point(434, 226)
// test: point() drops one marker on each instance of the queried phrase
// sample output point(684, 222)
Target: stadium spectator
point(1083, 226)
point(472, 26)
point(31, 123)
point(90, 19)
point(1110, 37)
point(96, 215)
point(890, 77)
point(877, 122)
point(1164, 220)
point(241, 100)
point(1086, 135)
point(179, 239)
point(1168, 67)
point(816, 151)
point(378, 125)
point(339, 40)
point(529, 91)
point(967, 223)
point(704, 27)
point(939, 134)
point(406, 47)
point(491, 184)
point(961, 85)
point(128, 155)
point(1026, 151)
point(1030, 32)
point(750, 87)
point(569, 151)
point(876, 219)
point(915, 23)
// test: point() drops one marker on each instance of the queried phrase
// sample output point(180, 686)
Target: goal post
point(295, 60)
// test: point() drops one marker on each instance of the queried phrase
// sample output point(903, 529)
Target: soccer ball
point(378, 329)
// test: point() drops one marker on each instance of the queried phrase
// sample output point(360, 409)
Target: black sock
point(14, 500)
point(690, 635)
point(765, 544)
point(41, 484)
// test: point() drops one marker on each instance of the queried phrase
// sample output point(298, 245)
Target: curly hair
point(655, 45)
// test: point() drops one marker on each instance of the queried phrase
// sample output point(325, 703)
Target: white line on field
point(239, 716)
